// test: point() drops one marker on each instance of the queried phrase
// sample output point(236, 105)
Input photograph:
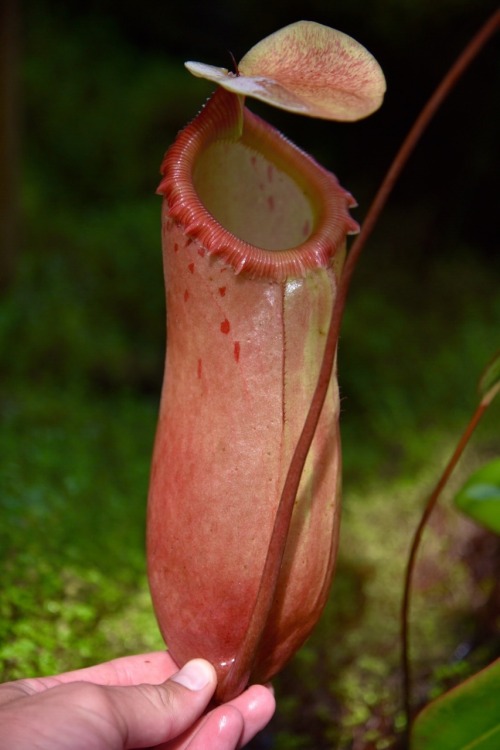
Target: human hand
point(138, 701)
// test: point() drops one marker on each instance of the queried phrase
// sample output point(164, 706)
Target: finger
point(154, 668)
point(223, 728)
point(148, 715)
point(257, 706)
point(231, 725)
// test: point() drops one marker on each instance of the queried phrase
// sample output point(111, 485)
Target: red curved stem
point(410, 567)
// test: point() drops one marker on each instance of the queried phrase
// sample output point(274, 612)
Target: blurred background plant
point(94, 94)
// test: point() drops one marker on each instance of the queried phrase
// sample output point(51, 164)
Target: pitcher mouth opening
point(251, 197)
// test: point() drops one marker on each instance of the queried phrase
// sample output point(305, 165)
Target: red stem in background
point(242, 665)
point(410, 566)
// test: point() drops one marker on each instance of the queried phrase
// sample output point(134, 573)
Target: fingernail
point(195, 675)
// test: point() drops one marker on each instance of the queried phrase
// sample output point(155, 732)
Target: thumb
point(152, 714)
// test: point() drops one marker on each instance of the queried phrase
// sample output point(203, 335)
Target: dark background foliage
point(101, 92)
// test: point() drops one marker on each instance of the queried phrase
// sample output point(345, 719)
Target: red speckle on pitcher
point(225, 326)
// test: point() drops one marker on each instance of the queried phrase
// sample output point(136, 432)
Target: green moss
point(72, 503)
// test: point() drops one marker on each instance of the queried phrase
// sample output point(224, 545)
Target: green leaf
point(479, 498)
point(489, 383)
point(465, 718)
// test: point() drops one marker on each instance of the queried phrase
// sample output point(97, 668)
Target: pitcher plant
point(254, 240)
